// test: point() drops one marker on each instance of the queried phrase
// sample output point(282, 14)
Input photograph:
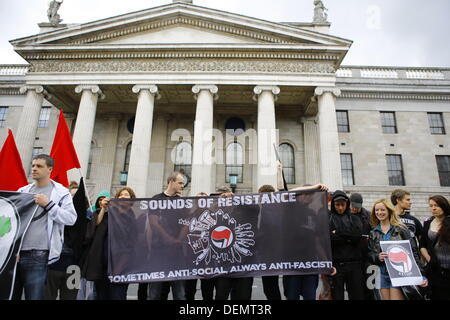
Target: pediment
point(180, 33)
point(180, 23)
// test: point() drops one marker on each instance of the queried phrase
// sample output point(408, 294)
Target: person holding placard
point(388, 227)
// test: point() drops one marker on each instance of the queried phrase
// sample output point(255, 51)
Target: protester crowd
point(50, 247)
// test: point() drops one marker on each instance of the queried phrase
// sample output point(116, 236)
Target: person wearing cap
point(346, 232)
point(357, 209)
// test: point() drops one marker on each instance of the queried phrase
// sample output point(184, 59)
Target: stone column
point(267, 135)
point(84, 126)
point(142, 137)
point(26, 133)
point(312, 152)
point(156, 179)
point(105, 168)
point(330, 160)
point(203, 134)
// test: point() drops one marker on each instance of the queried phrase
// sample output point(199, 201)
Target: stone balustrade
point(393, 73)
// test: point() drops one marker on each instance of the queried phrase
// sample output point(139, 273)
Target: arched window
point(235, 126)
point(235, 162)
point(288, 162)
point(183, 159)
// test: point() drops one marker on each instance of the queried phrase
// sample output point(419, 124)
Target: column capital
point(321, 90)
point(38, 89)
point(150, 87)
point(213, 89)
point(93, 88)
point(260, 89)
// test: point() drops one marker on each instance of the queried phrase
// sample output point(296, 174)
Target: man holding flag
point(43, 239)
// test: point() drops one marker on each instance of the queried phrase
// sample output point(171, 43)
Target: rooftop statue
point(52, 12)
point(320, 16)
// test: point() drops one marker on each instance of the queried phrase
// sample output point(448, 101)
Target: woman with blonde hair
point(388, 227)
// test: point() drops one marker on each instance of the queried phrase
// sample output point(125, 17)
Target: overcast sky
point(385, 32)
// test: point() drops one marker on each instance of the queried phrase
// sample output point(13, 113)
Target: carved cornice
point(191, 65)
point(181, 55)
point(217, 27)
point(393, 96)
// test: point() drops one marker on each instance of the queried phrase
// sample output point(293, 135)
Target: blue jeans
point(302, 285)
point(178, 291)
point(31, 275)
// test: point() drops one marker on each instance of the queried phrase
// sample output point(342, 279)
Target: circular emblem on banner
point(222, 237)
point(218, 236)
point(9, 226)
point(399, 259)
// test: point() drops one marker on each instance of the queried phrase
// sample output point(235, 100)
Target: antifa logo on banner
point(215, 235)
point(399, 259)
point(9, 226)
point(222, 237)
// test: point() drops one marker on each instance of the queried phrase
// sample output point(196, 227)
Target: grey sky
point(385, 32)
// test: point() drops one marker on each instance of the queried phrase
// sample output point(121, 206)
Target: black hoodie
point(346, 233)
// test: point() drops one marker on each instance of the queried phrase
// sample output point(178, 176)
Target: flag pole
point(85, 189)
point(277, 155)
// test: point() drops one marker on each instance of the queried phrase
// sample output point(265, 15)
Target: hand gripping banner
point(205, 237)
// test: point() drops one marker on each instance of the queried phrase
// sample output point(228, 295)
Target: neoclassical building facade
point(211, 92)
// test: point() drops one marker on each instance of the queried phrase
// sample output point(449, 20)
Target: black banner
point(204, 237)
point(16, 211)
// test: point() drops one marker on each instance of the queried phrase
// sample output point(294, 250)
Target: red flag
point(12, 174)
point(63, 152)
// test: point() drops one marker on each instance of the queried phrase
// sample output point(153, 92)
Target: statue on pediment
point(320, 15)
point(52, 12)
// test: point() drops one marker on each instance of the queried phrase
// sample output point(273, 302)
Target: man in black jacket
point(359, 211)
point(346, 235)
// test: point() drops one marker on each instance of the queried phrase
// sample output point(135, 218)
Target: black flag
point(16, 211)
point(74, 235)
